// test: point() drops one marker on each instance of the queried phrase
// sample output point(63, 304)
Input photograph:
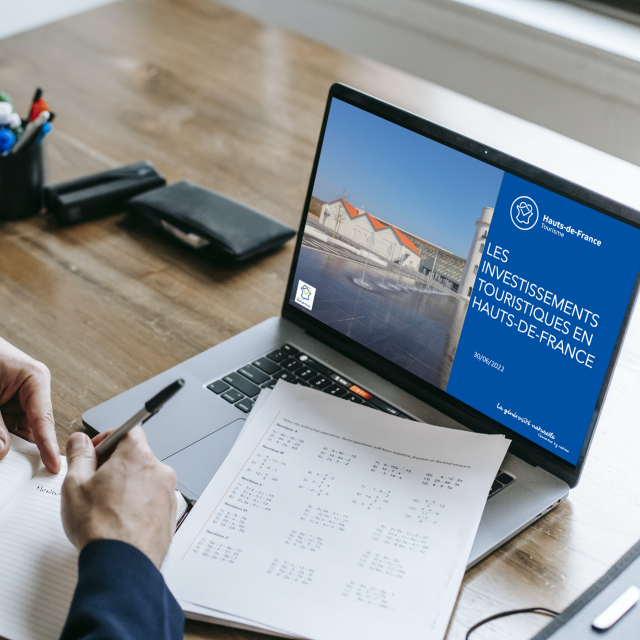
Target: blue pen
point(46, 128)
point(7, 140)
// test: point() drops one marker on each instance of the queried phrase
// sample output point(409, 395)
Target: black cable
point(513, 612)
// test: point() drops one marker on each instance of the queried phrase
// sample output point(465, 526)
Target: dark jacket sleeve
point(121, 596)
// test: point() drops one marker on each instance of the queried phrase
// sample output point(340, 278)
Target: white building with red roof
point(381, 238)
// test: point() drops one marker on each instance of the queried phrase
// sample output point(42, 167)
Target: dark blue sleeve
point(121, 596)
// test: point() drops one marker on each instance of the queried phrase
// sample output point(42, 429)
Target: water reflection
point(410, 323)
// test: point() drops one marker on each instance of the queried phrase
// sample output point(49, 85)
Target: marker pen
point(46, 128)
point(7, 140)
point(31, 133)
point(6, 111)
point(16, 122)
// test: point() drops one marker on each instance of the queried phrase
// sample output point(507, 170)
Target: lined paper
point(17, 468)
point(38, 567)
point(38, 564)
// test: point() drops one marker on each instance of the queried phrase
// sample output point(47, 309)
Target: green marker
point(8, 117)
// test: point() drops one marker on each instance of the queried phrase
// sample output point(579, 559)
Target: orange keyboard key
point(358, 391)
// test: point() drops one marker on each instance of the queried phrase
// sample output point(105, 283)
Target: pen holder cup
point(22, 178)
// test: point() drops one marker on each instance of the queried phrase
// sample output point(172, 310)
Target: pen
point(7, 140)
point(16, 122)
point(151, 407)
point(5, 97)
point(46, 128)
point(36, 96)
point(38, 107)
point(6, 112)
point(31, 132)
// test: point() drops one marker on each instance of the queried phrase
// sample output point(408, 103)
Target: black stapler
point(100, 194)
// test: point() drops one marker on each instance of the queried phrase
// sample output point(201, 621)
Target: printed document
point(333, 521)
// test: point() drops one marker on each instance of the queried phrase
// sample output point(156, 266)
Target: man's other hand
point(25, 404)
point(131, 497)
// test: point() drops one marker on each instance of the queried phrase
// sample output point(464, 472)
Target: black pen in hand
point(151, 407)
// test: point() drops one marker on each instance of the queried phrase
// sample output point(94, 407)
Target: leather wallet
point(208, 222)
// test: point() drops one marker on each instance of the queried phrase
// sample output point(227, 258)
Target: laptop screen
point(499, 292)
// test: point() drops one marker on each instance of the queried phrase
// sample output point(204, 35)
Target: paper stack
point(333, 521)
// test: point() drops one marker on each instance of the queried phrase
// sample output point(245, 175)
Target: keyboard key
point(306, 374)
point(340, 380)
point(505, 478)
point(320, 382)
point(318, 366)
point(245, 405)
point(291, 364)
point(336, 390)
point(354, 399)
point(302, 383)
point(287, 376)
point(266, 365)
point(269, 384)
point(277, 356)
point(232, 396)
point(242, 384)
point(384, 406)
point(288, 349)
point(360, 392)
point(218, 386)
point(496, 486)
point(253, 374)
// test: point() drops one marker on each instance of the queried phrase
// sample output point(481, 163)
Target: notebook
point(38, 564)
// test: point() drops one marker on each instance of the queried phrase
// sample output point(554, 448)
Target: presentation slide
point(551, 292)
point(501, 293)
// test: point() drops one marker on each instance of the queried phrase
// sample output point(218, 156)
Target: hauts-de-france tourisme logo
point(524, 213)
point(305, 295)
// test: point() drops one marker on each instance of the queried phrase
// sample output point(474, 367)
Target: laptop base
point(194, 433)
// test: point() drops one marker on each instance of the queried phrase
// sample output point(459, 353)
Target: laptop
point(437, 280)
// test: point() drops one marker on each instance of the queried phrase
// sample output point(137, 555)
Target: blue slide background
point(543, 385)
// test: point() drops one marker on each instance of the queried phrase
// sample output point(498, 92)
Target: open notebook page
point(38, 566)
point(17, 468)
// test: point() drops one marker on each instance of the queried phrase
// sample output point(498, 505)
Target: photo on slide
point(393, 239)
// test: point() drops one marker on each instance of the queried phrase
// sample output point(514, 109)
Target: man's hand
point(131, 497)
point(25, 404)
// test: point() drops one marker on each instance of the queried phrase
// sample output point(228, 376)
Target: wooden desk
point(212, 96)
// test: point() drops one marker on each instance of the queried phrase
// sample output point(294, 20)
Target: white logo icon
point(305, 295)
point(524, 213)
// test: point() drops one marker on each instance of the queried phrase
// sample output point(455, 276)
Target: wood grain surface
point(213, 96)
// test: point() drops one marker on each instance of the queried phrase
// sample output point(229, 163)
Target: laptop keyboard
point(241, 387)
point(287, 363)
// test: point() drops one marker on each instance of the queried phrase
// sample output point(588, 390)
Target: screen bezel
point(425, 391)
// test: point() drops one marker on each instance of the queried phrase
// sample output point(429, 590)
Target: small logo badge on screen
point(305, 295)
point(524, 213)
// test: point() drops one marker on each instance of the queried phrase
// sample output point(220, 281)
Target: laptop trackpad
point(196, 464)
